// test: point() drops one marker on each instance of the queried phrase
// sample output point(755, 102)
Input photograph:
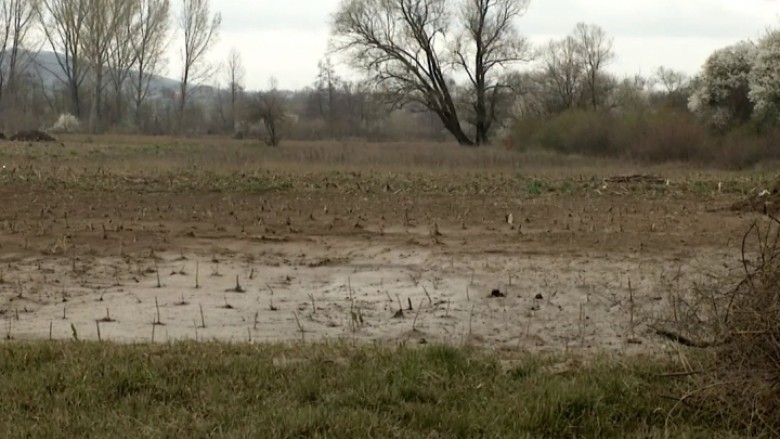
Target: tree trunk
point(453, 126)
point(75, 98)
point(94, 111)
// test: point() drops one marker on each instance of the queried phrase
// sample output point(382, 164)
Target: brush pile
point(744, 384)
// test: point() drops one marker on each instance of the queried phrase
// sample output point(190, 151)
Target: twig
point(685, 341)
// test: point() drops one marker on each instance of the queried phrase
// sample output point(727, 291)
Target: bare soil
point(324, 264)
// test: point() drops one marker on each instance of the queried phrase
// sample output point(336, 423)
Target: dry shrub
point(742, 386)
point(670, 136)
point(744, 148)
point(657, 136)
point(571, 132)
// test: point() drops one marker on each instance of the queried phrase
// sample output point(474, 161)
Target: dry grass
point(213, 163)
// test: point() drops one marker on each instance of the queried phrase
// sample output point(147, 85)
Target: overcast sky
point(286, 38)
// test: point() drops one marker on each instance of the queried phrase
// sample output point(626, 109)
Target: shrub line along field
point(123, 242)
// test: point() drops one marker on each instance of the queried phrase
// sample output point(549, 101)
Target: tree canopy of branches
point(572, 69)
point(63, 23)
point(415, 50)
point(270, 108)
point(200, 31)
point(150, 38)
point(16, 17)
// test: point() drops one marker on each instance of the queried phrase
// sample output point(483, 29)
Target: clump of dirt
point(32, 136)
point(766, 201)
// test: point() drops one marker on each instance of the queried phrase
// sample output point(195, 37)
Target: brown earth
point(320, 263)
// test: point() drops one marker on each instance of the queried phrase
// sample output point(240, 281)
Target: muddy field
point(591, 268)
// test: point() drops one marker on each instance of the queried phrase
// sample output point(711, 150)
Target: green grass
point(336, 391)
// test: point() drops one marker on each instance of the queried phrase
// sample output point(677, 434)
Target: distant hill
point(46, 65)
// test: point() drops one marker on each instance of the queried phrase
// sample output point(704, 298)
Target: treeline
point(726, 115)
point(95, 65)
point(99, 65)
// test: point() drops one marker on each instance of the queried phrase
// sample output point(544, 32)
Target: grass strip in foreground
point(194, 390)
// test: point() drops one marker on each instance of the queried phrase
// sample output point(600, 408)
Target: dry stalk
point(157, 271)
point(157, 319)
point(271, 300)
point(300, 327)
point(313, 304)
point(430, 301)
point(416, 315)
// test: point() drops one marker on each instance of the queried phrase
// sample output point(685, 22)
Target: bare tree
point(235, 73)
point(671, 80)
point(563, 72)
point(104, 19)
point(63, 23)
point(406, 49)
point(121, 57)
point(595, 48)
point(152, 26)
point(326, 86)
point(200, 30)
point(491, 42)
point(17, 17)
point(270, 107)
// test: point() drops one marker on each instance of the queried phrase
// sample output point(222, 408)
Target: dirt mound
point(766, 202)
point(32, 136)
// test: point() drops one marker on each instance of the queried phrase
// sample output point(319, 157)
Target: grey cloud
point(303, 15)
point(662, 18)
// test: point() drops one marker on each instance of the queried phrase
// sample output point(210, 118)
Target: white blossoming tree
point(721, 94)
point(765, 80)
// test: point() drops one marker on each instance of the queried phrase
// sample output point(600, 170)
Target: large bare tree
point(16, 21)
point(121, 59)
point(200, 31)
point(63, 23)
point(563, 72)
point(105, 18)
point(595, 48)
point(491, 42)
point(413, 50)
point(152, 26)
point(235, 77)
